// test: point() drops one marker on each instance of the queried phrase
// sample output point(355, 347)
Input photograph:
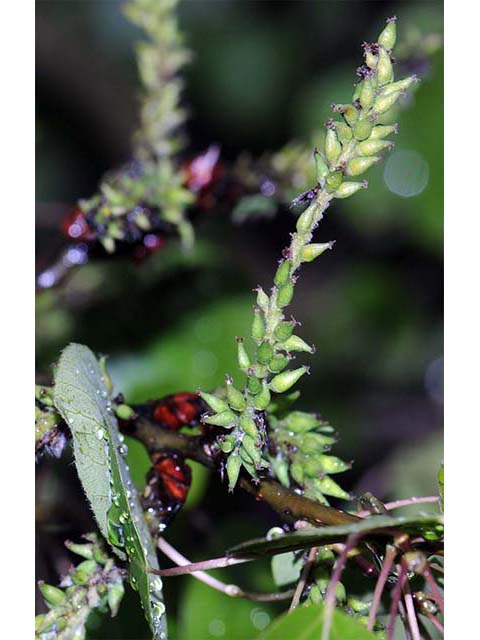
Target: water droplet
point(100, 433)
point(124, 517)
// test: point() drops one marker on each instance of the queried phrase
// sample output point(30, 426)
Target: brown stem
point(396, 596)
point(382, 579)
point(312, 556)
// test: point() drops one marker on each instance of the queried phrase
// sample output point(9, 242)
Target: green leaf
point(286, 568)
point(430, 524)
point(306, 623)
point(82, 398)
point(441, 484)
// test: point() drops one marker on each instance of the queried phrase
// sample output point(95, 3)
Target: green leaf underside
point(83, 400)
point(286, 568)
point(313, 536)
point(306, 623)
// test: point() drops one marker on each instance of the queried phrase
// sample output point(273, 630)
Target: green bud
point(383, 130)
point(349, 112)
point(84, 572)
point(234, 463)
point(315, 595)
point(358, 605)
point(142, 221)
point(224, 419)
point(264, 353)
point(305, 220)
point(347, 189)
point(258, 325)
point(254, 385)
point(334, 179)
point(330, 488)
point(44, 622)
point(367, 92)
point(384, 67)
point(280, 469)
point(262, 400)
point(83, 550)
point(363, 129)
point(285, 294)
point(296, 471)
point(371, 59)
point(242, 355)
point(248, 425)
point(248, 444)
point(99, 555)
point(371, 147)
point(234, 396)
point(299, 421)
point(278, 363)
point(400, 85)
point(314, 443)
point(344, 132)
point(325, 556)
point(214, 402)
point(312, 467)
point(114, 597)
point(124, 412)
point(389, 35)
point(284, 381)
point(260, 371)
point(357, 166)
point(53, 596)
point(333, 148)
point(321, 166)
point(108, 244)
point(385, 103)
point(295, 343)
point(283, 330)
point(283, 273)
point(227, 443)
point(312, 251)
point(331, 464)
point(262, 299)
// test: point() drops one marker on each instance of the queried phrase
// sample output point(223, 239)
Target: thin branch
point(389, 506)
point(436, 623)
point(396, 596)
point(411, 613)
point(307, 567)
point(382, 579)
point(334, 580)
point(193, 567)
point(231, 590)
point(434, 587)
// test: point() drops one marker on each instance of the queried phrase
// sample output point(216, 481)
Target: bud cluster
point(353, 144)
point(50, 437)
point(301, 444)
point(95, 583)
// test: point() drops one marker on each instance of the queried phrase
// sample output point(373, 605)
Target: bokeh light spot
point(260, 618)
point(406, 173)
point(217, 628)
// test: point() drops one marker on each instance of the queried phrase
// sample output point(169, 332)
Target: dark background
point(263, 73)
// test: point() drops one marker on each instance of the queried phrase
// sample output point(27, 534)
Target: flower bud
point(248, 444)
point(284, 381)
point(258, 325)
point(299, 421)
point(242, 355)
point(53, 596)
point(280, 469)
point(400, 85)
point(224, 419)
point(333, 148)
point(114, 597)
point(385, 103)
point(371, 58)
point(295, 343)
point(227, 444)
point(262, 399)
point(330, 488)
point(99, 555)
point(367, 92)
point(305, 220)
point(383, 130)
point(314, 443)
point(371, 147)
point(124, 412)
point(254, 385)
point(234, 396)
point(234, 463)
point(332, 464)
point(315, 595)
point(296, 471)
point(283, 330)
point(83, 550)
point(384, 67)
point(344, 132)
point(214, 402)
point(285, 294)
point(264, 353)
point(248, 425)
point(334, 180)
point(389, 35)
point(283, 273)
point(84, 572)
point(278, 363)
point(349, 112)
point(363, 129)
point(347, 189)
point(357, 166)
point(320, 166)
point(312, 251)
point(262, 299)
